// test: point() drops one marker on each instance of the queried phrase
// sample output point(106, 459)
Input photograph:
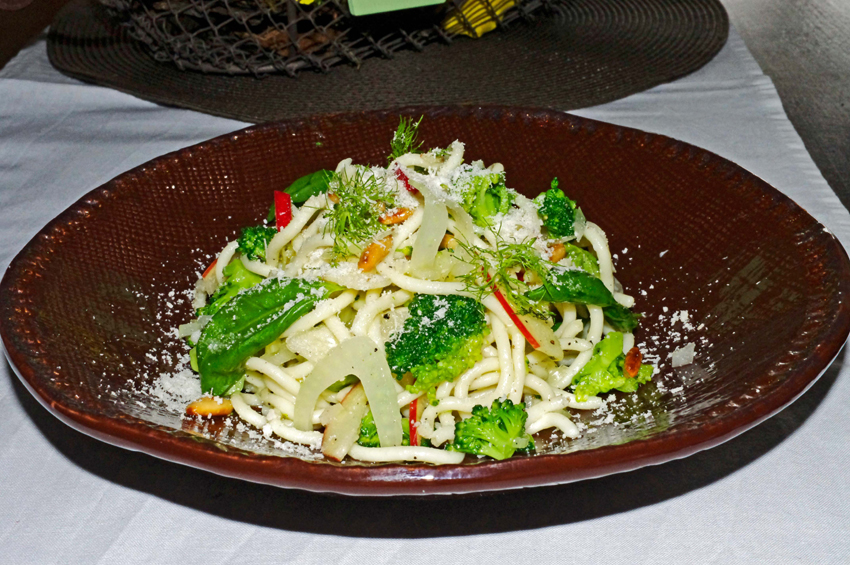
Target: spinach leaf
point(247, 323)
point(573, 286)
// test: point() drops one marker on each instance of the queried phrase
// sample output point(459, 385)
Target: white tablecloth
point(777, 494)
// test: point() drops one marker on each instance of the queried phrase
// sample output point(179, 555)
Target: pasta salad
point(418, 311)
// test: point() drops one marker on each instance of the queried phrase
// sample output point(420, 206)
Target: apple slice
point(547, 341)
point(344, 428)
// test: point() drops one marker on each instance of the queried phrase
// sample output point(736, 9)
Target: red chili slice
point(515, 319)
point(632, 363)
point(413, 418)
point(399, 174)
point(512, 315)
point(282, 209)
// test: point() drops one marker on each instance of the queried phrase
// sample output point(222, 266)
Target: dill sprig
point(502, 264)
point(354, 218)
point(405, 139)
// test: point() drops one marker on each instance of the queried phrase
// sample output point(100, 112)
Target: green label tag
point(366, 7)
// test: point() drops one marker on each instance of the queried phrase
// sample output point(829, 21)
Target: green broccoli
point(485, 196)
point(441, 339)
point(498, 431)
point(604, 371)
point(369, 432)
point(238, 278)
point(557, 211)
point(253, 241)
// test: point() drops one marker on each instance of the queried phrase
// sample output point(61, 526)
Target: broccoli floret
point(254, 240)
point(238, 278)
point(441, 339)
point(557, 211)
point(369, 432)
point(485, 196)
point(604, 371)
point(498, 431)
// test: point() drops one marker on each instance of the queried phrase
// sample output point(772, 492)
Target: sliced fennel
point(363, 358)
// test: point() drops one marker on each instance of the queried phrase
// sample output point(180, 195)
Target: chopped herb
point(503, 264)
point(354, 218)
point(405, 140)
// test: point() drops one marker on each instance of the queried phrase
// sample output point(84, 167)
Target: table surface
point(777, 493)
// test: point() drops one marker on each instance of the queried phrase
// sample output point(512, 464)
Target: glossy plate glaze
point(86, 307)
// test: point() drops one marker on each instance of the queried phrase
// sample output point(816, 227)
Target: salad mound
point(421, 311)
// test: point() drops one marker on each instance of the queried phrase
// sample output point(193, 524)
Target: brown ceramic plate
point(763, 283)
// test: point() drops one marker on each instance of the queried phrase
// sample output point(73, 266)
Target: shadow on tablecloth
point(437, 516)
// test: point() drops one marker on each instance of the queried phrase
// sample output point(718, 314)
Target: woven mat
point(588, 52)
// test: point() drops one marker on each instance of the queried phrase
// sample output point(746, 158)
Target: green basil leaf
point(573, 286)
point(309, 185)
point(305, 187)
point(582, 259)
point(246, 324)
point(621, 318)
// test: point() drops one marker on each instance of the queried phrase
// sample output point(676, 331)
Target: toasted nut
point(333, 197)
point(558, 252)
point(374, 254)
point(449, 242)
point(631, 366)
point(398, 216)
point(210, 406)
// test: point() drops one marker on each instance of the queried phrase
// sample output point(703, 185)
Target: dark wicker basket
point(285, 36)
